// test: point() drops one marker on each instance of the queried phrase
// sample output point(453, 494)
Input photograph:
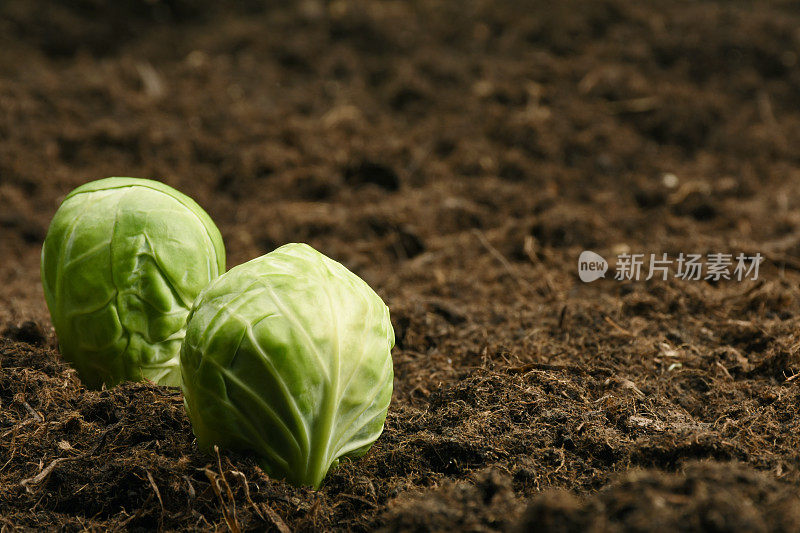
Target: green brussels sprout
point(288, 357)
point(122, 263)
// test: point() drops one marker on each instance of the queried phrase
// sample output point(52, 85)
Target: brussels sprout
point(288, 357)
point(122, 263)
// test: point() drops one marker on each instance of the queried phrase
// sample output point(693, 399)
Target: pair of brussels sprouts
point(286, 356)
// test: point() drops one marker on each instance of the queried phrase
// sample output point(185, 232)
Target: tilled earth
point(458, 155)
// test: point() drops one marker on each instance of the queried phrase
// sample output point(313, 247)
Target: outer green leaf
point(288, 357)
point(122, 263)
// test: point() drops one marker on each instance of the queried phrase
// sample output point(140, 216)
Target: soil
point(458, 155)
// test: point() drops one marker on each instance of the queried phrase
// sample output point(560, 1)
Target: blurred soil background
point(458, 155)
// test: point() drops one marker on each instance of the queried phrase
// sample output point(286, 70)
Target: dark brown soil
point(458, 155)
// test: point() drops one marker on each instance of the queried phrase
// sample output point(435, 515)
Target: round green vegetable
point(122, 263)
point(288, 357)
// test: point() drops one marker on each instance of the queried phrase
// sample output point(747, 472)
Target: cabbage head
point(122, 263)
point(288, 357)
